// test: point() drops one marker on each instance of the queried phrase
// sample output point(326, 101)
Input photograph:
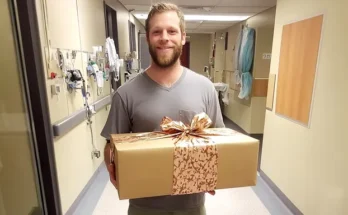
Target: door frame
point(187, 48)
point(27, 38)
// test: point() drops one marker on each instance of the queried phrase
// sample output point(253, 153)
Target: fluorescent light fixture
point(203, 17)
point(140, 16)
point(214, 18)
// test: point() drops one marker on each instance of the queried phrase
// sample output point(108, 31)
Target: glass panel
point(18, 185)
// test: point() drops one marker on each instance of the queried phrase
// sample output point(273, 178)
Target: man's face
point(165, 39)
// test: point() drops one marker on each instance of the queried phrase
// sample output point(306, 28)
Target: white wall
point(199, 52)
point(310, 164)
point(247, 114)
point(80, 27)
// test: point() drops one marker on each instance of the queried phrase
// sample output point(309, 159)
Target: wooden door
point(185, 55)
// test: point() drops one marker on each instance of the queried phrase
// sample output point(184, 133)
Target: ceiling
point(206, 7)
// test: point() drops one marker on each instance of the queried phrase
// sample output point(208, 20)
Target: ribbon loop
point(200, 122)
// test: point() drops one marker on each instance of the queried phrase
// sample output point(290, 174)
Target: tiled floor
point(240, 201)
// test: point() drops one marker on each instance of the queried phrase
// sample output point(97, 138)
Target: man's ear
point(183, 39)
point(147, 38)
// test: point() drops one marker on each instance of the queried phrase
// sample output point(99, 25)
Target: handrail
point(65, 125)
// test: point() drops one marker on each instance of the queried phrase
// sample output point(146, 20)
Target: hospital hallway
point(80, 76)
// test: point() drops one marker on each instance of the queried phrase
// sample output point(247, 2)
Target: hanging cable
point(89, 112)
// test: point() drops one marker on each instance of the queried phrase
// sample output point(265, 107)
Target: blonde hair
point(161, 7)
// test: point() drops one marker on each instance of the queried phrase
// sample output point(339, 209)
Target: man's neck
point(165, 76)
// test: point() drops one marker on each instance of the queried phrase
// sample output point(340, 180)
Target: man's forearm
point(107, 150)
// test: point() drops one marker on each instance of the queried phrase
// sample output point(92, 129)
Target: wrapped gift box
point(149, 165)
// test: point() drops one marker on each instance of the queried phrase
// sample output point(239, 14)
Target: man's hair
point(161, 7)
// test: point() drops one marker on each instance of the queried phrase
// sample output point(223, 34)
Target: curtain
point(237, 72)
point(246, 57)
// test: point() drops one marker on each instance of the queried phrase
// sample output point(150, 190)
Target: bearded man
point(166, 88)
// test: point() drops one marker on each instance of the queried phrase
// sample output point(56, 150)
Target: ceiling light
point(214, 18)
point(203, 17)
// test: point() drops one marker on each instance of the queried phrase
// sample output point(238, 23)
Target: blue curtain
point(245, 61)
point(237, 72)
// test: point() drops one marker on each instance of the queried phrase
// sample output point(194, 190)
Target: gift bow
point(181, 131)
point(178, 130)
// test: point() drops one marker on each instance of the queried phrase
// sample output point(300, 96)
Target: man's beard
point(165, 61)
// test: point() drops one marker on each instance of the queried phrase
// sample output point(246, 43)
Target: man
point(164, 89)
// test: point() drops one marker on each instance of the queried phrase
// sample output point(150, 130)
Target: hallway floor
point(226, 202)
point(101, 198)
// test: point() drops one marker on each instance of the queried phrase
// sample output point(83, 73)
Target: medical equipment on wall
point(89, 113)
point(90, 110)
point(113, 62)
point(91, 71)
point(56, 90)
point(223, 88)
point(60, 59)
point(64, 62)
point(207, 73)
point(131, 66)
point(98, 76)
point(73, 79)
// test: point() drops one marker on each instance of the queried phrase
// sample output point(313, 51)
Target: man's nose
point(164, 35)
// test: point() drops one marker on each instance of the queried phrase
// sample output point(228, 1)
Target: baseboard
point(82, 194)
point(229, 123)
point(241, 130)
point(235, 126)
point(283, 198)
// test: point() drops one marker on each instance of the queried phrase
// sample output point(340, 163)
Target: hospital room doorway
point(185, 55)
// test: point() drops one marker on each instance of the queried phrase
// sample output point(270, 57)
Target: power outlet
point(55, 89)
point(95, 153)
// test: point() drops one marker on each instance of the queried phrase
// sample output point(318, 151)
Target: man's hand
point(108, 159)
point(111, 169)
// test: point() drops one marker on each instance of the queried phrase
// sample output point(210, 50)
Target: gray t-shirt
point(139, 106)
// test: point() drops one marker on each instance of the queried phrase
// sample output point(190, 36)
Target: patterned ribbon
point(195, 154)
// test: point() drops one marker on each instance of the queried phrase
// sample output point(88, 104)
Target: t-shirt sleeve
point(214, 110)
point(118, 120)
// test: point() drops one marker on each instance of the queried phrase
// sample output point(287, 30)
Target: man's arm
point(213, 108)
point(117, 122)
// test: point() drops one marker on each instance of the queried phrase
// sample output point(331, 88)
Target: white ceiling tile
point(212, 27)
point(218, 7)
point(136, 2)
point(212, 23)
point(238, 10)
point(250, 3)
point(201, 32)
point(192, 25)
point(137, 7)
point(198, 3)
point(145, 9)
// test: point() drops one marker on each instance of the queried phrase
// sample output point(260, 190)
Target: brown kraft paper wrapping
point(206, 160)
